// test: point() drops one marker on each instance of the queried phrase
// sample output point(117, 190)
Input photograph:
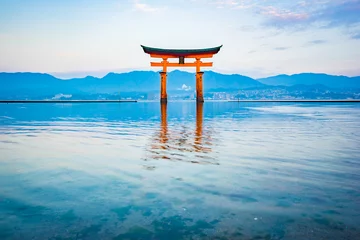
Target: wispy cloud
point(225, 3)
point(317, 13)
point(316, 42)
point(355, 36)
point(282, 17)
point(300, 15)
point(247, 28)
point(345, 12)
point(143, 7)
point(281, 48)
point(234, 4)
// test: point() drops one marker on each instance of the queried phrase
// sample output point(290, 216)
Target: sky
point(76, 38)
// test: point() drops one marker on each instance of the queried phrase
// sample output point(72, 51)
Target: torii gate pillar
point(199, 87)
point(163, 94)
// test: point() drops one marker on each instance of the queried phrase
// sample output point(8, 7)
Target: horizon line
point(53, 74)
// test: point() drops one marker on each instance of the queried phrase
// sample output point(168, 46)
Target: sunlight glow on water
point(180, 171)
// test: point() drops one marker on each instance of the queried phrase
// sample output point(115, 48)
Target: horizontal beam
point(186, 56)
point(160, 64)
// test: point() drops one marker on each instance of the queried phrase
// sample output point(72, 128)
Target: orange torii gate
point(181, 54)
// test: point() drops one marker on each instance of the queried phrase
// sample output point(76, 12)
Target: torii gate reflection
point(199, 127)
point(178, 145)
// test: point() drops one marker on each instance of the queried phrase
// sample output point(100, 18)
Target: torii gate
point(181, 54)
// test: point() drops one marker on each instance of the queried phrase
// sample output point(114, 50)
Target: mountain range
point(311, 79)
point(40, 85)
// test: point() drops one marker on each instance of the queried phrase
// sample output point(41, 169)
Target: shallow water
point(180, 171)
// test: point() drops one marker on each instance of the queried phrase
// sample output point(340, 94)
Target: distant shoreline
point(66, 101)
point(134, 101)
point(300, 100)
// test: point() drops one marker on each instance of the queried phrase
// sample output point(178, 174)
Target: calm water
point(181, 171)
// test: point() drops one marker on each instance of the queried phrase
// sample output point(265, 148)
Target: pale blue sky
point(260, 37)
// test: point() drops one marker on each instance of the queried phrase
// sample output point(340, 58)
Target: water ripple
point(184, 170)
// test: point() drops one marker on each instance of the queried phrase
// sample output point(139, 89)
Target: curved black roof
point(180, 52)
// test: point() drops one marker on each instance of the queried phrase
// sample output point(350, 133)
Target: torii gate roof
point(181, 52)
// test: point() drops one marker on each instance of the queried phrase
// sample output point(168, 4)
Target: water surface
point(180, 171)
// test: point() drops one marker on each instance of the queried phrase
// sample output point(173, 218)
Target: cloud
point(223, 3)
point(142, 7)
point(234, 4)
point(335, 13)
point(247, 28)
point(316, 42)
point(281, 18)
point(280, 48)
point(346, 12)
point(355, 36)
point(300, 15)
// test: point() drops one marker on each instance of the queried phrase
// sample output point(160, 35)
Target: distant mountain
point(37, 84)
point(313, 79)
point(44, 86)
point(214, 81)
point(27, 85)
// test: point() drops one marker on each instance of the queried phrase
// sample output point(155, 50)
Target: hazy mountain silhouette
point(140, 81)
point(311, 79)
point(23, 85)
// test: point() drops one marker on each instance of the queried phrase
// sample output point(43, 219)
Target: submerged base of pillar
point(163, 100)
point(200, 100)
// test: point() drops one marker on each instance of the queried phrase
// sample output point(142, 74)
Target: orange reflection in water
point(164, 126)
point(198, 143)
point(182, 142)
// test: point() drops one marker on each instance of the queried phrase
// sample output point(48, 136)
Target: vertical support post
point(199, 87)
point(163, 94)
point(198, 63)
